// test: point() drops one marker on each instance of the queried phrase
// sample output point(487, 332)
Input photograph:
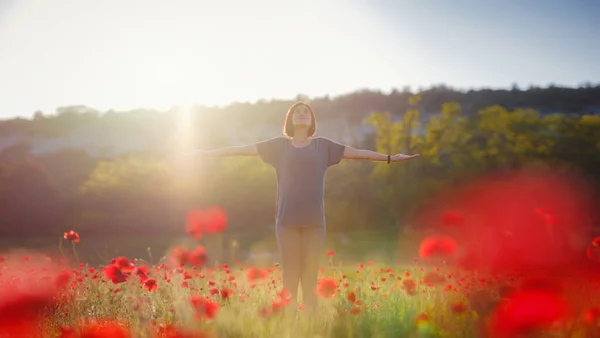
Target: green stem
point(150, 255)
point(60, 248)
point(75, 252)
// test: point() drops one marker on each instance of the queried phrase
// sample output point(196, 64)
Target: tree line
point(353, 107)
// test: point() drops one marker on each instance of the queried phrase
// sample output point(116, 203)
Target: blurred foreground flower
point(97, 329)
point(255, 274)
point(326, 287)
point(204, 308)
point(199, 222)
point(527, 312)
point(437, 246)
point(451, 218)
point(27, 293)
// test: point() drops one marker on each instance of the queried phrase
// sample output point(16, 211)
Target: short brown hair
point(288, 126)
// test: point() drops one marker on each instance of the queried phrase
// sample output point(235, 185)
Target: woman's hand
point(403, 157)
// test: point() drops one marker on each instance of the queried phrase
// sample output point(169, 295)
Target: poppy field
point(496, 263)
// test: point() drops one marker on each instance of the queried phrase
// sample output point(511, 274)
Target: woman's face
point(301, 116)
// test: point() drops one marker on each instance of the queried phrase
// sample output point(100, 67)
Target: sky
point(129, 54)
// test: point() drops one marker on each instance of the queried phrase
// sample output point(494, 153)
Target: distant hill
point(111, 133)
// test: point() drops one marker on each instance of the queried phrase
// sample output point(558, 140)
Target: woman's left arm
point(364, 154)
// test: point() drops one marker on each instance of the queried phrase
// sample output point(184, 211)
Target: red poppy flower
point(216, 220)
point(141, 272)
point(62, 279)
point(24, 301)
point(421, 318)
point(20, 312)
point(409, 283)
point(99, 329)
point(198, 256)
point(179, 256)
point(437, 246)
point(226, 293)
point(285, 296)
point(114, 274)
point(72, 236)
point(528, 311)
point(204, 308)
point(126, 265)
point(150, 284)
point(326, 287)
point(351, 296)
point(277, 306)
point(253, 274)
point(198, 222)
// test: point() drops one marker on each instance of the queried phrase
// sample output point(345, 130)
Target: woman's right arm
point(245, 150)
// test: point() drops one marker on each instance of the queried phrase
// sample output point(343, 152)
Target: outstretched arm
point(364, 154)
point(245, 150)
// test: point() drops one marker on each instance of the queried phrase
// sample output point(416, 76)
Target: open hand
point(403, 157)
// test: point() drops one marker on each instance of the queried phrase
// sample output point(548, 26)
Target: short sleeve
point(270, 150)
point(335, 152)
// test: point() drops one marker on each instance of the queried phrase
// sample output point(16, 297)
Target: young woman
point(300, 161)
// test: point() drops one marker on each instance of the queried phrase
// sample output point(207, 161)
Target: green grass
point(386, 310)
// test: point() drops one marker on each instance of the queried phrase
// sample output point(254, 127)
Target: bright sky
point(127, 54)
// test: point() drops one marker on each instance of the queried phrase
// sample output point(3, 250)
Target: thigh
point(288, 241)
point(313, 240)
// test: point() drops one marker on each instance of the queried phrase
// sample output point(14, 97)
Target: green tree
point(27, 200)
point(127, 194)
point(397, 183)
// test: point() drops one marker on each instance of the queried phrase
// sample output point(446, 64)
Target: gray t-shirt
point(300, 178)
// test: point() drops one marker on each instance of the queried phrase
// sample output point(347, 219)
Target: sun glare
point(183, 144)
point(167, 74)
point(185, 130)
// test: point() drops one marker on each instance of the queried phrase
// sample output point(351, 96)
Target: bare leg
point(313, 240)
point(288, 240)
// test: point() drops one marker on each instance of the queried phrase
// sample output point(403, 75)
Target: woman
point(300, 161)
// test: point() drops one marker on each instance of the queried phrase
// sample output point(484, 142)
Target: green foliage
point(126, 175)
point(454, 146)
point(144, 190)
